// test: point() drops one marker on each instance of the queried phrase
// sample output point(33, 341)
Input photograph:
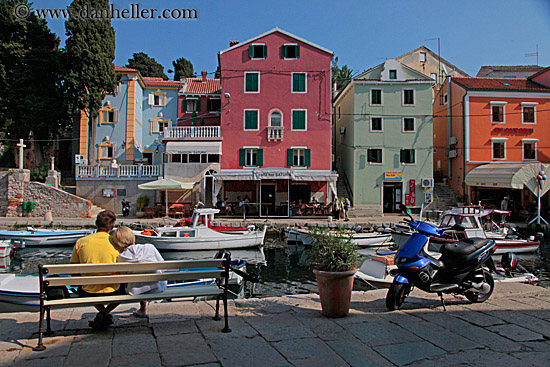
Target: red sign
point(412, 192)
point(407, 199)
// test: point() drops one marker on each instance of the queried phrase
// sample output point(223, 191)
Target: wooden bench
point(87, 274)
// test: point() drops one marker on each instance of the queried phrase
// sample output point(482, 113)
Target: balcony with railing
point(192, 132)
point(134, 171)
point(274, 133)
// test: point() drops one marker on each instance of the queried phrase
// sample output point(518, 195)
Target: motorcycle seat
point(463, 247)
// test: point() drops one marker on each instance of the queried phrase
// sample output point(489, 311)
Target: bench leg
point(40, 347)
point(49, 331)
point(226, 328)
point(217, 315)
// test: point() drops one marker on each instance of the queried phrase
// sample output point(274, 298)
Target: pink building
point(276, 122)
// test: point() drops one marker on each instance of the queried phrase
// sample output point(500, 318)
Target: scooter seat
point(463, 247)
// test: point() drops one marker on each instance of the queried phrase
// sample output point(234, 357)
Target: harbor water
point(282, 268)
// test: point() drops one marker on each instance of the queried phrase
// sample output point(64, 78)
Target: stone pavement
point(510, 329)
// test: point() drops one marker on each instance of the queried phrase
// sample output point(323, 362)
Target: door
point(208, 183)
point(268, 200)
point(392, 197)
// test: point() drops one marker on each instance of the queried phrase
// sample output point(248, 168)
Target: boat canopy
point(509, 175)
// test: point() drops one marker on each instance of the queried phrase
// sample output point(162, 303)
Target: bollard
point(48, 216)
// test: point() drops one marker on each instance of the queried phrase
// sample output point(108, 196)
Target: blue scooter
point(460, 267)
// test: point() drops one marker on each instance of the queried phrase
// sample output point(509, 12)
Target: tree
point(32, 99)
point(340, 76)
point(90, 52)
point(146, 65)
point(183, 68)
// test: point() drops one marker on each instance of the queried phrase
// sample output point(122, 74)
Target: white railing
point(275, 133)
point(190, 132)
point(135, 170)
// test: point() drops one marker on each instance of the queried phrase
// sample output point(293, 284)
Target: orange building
point(490, 136)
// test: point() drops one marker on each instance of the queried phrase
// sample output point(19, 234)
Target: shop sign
point(412, 192)
point(273, 174)
point(519, 130)
point(407, 199)
point(393, 176)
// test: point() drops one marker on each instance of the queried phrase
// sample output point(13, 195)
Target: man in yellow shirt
point(97, 249)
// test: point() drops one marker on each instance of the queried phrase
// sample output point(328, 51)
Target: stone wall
point(16, 188)
point(59, 202)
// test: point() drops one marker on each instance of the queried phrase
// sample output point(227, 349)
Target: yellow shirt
point(95, 249)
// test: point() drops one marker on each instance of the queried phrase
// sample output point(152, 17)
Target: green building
point(383, 137)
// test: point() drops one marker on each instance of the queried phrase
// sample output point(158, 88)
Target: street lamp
point(541, 176)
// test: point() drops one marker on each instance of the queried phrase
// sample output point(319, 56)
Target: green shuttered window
point(251, 157)
point(298, 120)
point(252, 82)
point(298, 82)
point(257, 51)
point(290, 51)
point(298, 157)
point(407, 156)
point(251, 120)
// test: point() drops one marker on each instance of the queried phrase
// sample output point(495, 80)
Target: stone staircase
point(444, 198)
point(342, 189)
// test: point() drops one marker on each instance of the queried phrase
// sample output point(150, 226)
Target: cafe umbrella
point(166, 184)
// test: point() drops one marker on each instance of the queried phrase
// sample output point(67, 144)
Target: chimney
point(203, 76)
point(233, 43)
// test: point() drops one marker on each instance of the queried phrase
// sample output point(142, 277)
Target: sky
point(361, 33)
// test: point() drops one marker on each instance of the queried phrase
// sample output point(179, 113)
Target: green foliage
point(183, 68)
point(146, 65)
point(340, 76)
point(332, 251)
point(141, 202)
point(32, 88)
point(39, 173)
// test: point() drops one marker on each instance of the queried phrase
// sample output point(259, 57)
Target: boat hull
point(211, 240)
point(44, 237)
point(363, 240)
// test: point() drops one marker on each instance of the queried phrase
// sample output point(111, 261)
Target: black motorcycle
point(125, 208)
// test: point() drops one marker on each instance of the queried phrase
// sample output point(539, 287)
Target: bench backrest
point(88, 274)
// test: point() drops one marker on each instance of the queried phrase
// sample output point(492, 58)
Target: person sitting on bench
point(124, 241)
point(97, 249)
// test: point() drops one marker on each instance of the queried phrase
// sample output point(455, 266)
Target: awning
point(275, 173)
point(194, 147)
point(508, 175)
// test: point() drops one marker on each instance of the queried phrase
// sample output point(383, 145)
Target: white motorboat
point(198, 236)
point(474, 219)
point(44, 237)
point(365, 240)
point(376, 271)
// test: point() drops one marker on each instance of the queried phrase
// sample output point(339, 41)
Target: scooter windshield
point(426, 228)
point(412, 247)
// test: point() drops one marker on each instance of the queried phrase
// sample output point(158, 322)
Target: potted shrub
point(141, 202)
point(333, 258)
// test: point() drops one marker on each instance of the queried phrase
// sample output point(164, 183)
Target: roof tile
point(196, 86)
point(512, 84)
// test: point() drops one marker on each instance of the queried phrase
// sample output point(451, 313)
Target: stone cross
point(52, 166)
point(21, 146)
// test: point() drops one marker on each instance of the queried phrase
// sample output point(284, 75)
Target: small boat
point(44, 237)
point(365, 240)
point(198, 236)
point(376, 271)
point(475, 219)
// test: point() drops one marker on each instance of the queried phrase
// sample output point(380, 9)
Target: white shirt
point(140, 253)
point(504, 204)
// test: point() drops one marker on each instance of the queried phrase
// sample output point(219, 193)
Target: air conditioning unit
point(427, 182)
point(453, 140)
point(453, 154)
point(78, 159)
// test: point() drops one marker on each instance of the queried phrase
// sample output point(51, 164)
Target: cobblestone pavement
point(510, 329)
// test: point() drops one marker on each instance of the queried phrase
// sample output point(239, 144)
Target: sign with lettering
point(518, 130)
point(263, 174)
point(407, 199)
point(393, 176)
point(412, 192)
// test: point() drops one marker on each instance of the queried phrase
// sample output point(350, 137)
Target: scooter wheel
point(476, 297)
point(396, 295)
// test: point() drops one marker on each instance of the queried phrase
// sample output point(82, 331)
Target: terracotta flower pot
point(335, 291)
